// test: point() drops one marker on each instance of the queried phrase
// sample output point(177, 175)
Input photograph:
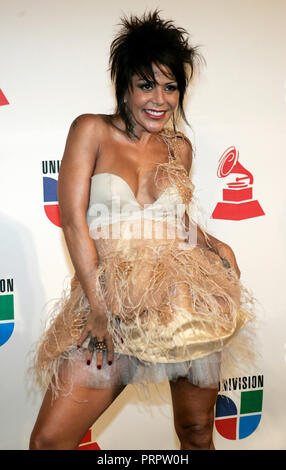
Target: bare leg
point(193, 414)
point(63, 422)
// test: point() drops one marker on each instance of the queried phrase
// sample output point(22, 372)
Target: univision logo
point(50, 187)
point(238, 420)
point(6, 310)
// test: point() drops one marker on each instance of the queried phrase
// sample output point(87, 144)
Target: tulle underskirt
point(124, 370)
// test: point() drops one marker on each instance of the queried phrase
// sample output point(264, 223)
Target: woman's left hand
point(226, 253)
point(222, 249)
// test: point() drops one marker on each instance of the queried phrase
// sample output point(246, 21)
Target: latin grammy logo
point(238, 202)
point(3, 99)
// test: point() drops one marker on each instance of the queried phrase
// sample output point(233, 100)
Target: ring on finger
point(96, 345)
point(100, 346)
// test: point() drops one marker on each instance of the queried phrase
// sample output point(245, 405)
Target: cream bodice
point(113, 201)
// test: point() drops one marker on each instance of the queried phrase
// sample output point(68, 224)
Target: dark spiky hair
point(145, 41)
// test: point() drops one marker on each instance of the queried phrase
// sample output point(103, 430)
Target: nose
point(158, 96)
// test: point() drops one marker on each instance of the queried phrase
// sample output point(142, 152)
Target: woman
point(154, 296)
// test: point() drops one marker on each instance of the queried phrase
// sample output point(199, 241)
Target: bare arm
point(73, 194)
point(77, 167)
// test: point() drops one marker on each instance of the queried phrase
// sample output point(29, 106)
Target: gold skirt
point(174, 310)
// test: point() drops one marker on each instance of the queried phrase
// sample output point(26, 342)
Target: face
point(152, 104)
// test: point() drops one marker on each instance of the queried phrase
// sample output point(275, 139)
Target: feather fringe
point(173, 310)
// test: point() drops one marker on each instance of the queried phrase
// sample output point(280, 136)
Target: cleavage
point(144, 194)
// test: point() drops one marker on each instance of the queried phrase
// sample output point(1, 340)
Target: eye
point(171, 87)
point(146, 86)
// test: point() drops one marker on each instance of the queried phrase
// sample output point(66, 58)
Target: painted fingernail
point(99, 367)
point(88, 362)
point(78, 346)
point(109, 363)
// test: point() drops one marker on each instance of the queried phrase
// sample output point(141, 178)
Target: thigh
point(191, 404)
point(63, 421)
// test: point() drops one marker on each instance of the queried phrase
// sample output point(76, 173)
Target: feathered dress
point(174, 309)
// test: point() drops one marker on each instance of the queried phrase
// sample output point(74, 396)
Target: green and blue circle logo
point(238, 420)
point(6, 310)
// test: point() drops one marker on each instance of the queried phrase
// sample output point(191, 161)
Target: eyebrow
point(140, 79)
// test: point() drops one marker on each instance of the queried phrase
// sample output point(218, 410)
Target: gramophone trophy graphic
point(238, 202)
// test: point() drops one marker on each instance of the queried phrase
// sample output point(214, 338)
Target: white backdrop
point(54, 58)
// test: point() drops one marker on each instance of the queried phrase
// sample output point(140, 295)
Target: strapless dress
point(174, 308)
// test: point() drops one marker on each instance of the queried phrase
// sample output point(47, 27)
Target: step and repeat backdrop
point(54, 67)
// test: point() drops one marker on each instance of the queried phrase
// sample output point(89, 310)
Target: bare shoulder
point(88, 119)
point(92, 125)
point(83, 144)
point(86, 135)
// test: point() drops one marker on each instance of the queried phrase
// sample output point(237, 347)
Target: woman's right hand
point(96, 327)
